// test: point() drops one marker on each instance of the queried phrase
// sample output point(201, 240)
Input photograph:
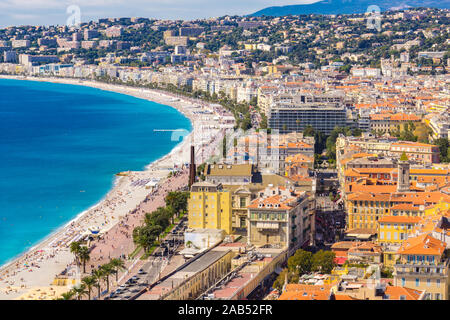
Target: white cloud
point(19, 12)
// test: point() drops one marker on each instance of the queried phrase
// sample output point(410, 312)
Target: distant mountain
point(350, 7)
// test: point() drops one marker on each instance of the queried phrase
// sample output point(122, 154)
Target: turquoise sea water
point(58, 140)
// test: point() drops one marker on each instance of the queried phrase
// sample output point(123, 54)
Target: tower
point(403, 174)
point(192, 168)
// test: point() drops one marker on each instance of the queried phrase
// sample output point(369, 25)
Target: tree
point(117, 264)
point(107, 271)
point(84, 256)
point(142, 237)
point(309, 131)
point(98, 276)
point(89, 282)
point(300, 262)
point(75, 249)
point(80, 291)
point(444, 145)
point(292, 277)
point(68, 295)
point(323, 261)
point(331, 140)
point(422, 132)
point(178, 201)
point(155, 231)
point(160, 217)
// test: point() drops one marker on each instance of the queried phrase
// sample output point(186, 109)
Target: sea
point(60, 148)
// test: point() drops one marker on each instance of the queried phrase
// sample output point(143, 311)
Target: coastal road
point(152, 268)
point(149, 274)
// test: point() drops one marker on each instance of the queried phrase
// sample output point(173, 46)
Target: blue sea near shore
point(60, 147)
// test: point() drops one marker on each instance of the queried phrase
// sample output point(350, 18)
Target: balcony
point(437, 271)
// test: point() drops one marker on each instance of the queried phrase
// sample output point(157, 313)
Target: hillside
point(349, 7)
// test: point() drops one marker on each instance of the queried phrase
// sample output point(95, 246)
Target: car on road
point(141, 271)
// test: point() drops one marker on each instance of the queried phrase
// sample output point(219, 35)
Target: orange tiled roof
point(399, 219)
point(424, 244)
point(284, 204)
point(394, 293)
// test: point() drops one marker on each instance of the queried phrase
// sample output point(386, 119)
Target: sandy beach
point(122, 208)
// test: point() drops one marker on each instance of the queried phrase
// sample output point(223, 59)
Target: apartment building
point(387, 122)
point(209, 207)
point(440, 125)
point(20, 43)
point(322, 117)
point(229, 174)
point(280, 217)
point(423, 265)
point(421, 153)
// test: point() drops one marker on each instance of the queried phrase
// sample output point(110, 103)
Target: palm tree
point(117, 264)
point(89, 282)
point(84, 256)
point(75, 249)
point(107, 271)
point(98, 276)
point(68, 295)
point(80, 291)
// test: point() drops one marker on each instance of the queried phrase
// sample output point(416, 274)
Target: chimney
point(192, 168)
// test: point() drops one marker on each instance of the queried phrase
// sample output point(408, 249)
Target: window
point(438, 283)
point(403, 282)
point(428, 282)
point(243, 202)
point(388, 235)
point(402, 297)
point(381, 235)
point(417, 282)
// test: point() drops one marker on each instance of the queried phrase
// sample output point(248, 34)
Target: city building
point(423, 265)
point(280, 217)
point(210, 207)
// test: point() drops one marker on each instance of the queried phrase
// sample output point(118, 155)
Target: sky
point(52, 12)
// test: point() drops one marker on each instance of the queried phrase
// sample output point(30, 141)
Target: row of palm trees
point(98, 276)
point(81, 254)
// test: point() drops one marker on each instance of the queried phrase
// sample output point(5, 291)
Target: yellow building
point(250, 46)
point(365, 209)
point(210, 207)
point(395, 229)
point(392, 231)
point(441, 207)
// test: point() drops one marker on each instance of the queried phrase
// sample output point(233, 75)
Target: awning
point(340, 260)
point(267, 225)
